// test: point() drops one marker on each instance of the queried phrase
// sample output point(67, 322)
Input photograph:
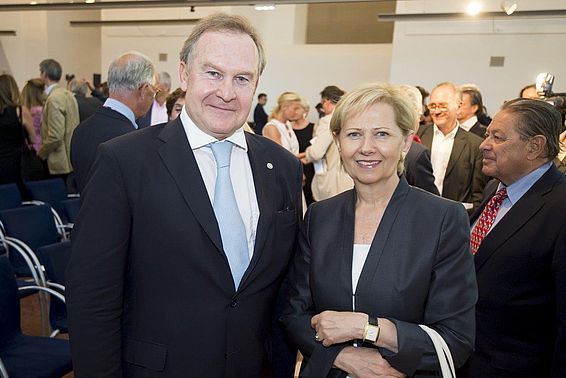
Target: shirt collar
point(469, 123)
point(450, 135)
point(199, 138)
point(121, 108)
point(517, 189)
point(50, 88)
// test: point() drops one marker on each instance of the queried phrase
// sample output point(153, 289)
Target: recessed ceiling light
point(508, 7)
point(89, 1)
point(264, 7)
point(33, 2)
point(474, 9)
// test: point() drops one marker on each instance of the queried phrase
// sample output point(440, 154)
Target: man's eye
point(213, 73)
point(242, 79)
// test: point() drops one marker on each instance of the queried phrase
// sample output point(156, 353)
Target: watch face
point(371, 333)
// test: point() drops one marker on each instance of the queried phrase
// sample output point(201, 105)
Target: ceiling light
point(473, 9)
point(264, 7)
point(89, 1)
point(33, 2)
point(508, 7)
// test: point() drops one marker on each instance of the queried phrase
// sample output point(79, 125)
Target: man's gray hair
point(51, 68)
point(165, 81)
point(130, 71)
point(78, 87)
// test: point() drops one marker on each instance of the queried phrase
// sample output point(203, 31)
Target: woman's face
point(292, 111)
point(371, 143)
point(177, 108)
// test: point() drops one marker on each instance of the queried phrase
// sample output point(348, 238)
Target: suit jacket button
point(234, 303)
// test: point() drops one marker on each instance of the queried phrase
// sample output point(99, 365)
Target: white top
point(469, 123)
point(440, 154)
point(158, 113)
point(288, 138)
point(240, 172)
point(358, 260)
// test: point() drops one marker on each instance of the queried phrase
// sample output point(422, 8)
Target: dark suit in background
point(87, 106)
point(145, 120)
point(104, 125)
point(260, 119)
point(464, 180)
point(521, 274)
point(418, 169)
point(148, 270)
point(407, 278)
point(478, 129)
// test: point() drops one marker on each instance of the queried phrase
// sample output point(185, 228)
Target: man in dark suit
point(455, 156)
point(131, 78)
point(418, 169)
point(87, 105)
point(179, 279)
point(519, 236)
point(260, 116)
point(470, 110)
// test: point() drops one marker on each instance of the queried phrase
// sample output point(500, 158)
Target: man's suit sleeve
point(450, 307)
point(423, 176)
point(321, 142)
point(559, 274)
point(95, 274)
point(300, 309)
point(55, 125)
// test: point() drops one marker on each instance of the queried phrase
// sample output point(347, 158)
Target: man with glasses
point(455, 155)
point(131, 79)
point(158, 110)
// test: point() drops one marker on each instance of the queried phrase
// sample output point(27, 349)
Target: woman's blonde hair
point(284, 99)
point(362, 98)
point(32, 93)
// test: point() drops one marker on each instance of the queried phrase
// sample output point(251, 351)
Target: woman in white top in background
point(288, 108)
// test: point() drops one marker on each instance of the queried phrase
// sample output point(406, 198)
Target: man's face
point(466, 110)
point(221, 82)
point(43, 77)
point(504, 152)
point(443, 108)
point(327, 105)
point(262, 100)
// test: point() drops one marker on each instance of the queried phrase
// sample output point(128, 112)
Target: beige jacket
point(60, 117)
point(332, 179)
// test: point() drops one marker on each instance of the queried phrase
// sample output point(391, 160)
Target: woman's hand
point(365, 363)
point(333, 327)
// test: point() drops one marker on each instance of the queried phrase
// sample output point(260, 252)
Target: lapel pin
point(269, 166)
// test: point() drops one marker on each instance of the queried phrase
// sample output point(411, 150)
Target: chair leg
point(3, 371)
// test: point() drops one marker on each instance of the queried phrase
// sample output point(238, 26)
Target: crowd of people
point(193, 254)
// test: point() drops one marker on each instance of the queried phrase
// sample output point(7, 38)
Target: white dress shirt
point(440, 154)
point(240, 172)
point(469, 123)
point(158, 113)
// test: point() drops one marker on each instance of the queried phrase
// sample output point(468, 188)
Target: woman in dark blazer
point(380, 259)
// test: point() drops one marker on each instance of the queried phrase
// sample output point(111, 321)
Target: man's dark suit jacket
point(464, 180)
point(478, 129)
point(260, 118)
point(87, 106)
point(149, 288)
point(145, 120)
point(521, 273)
point(418, 169)
point(419, 270)
point(104, 125)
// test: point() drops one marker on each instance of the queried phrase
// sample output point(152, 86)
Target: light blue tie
point(232, 229)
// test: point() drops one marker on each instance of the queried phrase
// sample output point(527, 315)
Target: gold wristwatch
point(371, 330)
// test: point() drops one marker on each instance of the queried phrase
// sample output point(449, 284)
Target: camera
point(544, 90)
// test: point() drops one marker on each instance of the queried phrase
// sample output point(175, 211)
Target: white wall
point(41, 34)
point(427, 53)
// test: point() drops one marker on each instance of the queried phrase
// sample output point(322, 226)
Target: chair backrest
point(52, 191)
point(72, 207)
point(34, 225)
point(55, 258)
point(10, 196)
point(9, 302)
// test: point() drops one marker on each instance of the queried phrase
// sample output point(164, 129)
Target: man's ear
point(183, 75)
point(536, 147)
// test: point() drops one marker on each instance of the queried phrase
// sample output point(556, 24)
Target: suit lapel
point(266, 186)
point(426, 136)
point(517, 217)
point(460, 142)
point(380, 239)
point(345, 247)
point(178, 157)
